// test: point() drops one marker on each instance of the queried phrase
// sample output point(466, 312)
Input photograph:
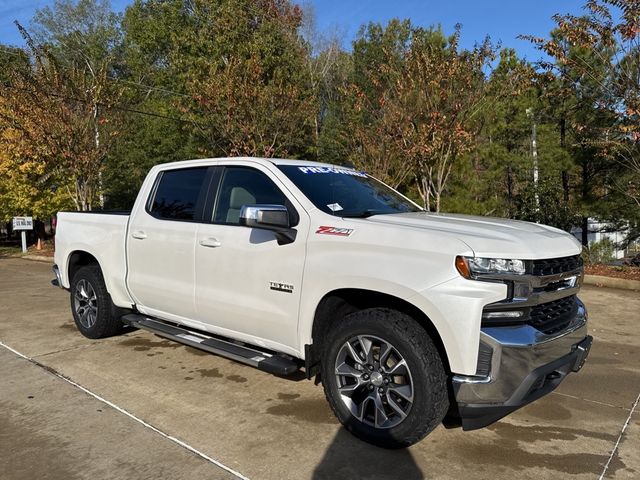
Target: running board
point(262, 360)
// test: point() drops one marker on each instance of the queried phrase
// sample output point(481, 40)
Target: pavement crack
point(615, 447)
point(60, 351)
point(590, 401)
point(133, 417)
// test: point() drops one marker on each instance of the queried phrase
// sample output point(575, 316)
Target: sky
point(502, 20)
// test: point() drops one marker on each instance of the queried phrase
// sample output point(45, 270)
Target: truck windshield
point(344, 192)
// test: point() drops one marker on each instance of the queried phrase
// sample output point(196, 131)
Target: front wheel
point(91, 305)
point(384, 378)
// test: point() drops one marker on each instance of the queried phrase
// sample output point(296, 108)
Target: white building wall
point(595, 235)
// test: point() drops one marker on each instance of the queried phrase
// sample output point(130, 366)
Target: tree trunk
point(585, 231)
point(565, 174)
point(585, 197)
point(510, 190)
point(565, 186)
point(423, 191)
point(97, 143)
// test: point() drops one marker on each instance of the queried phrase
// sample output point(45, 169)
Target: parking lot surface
point(139, 406)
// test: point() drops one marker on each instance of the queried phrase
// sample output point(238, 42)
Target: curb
point(611, 282)
point(40, 258)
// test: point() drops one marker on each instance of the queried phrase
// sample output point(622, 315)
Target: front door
point(245, 281)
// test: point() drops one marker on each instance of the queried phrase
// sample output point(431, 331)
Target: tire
point(91, 305)
point(413, 399)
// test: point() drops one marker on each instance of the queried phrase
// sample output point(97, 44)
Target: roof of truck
point(273, 161)
point(284, 161)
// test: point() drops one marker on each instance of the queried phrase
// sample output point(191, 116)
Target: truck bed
point(103, 235)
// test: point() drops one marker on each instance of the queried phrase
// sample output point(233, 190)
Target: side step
point(260, 359)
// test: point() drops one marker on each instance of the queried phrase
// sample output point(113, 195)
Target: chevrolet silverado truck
point(409, 319)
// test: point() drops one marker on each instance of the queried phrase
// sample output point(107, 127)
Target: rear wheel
point(384, 378)
point(91, 305)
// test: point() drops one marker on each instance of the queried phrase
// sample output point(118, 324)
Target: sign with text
point(23, 223)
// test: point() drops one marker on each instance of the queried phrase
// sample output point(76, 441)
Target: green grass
point(10, 251)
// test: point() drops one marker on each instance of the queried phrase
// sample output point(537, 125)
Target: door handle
point(210, 242)
point(139, 234)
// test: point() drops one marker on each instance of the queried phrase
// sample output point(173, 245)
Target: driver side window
point(244, 186)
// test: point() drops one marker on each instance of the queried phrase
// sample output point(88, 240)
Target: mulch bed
point(47, 249)
point(628, 273)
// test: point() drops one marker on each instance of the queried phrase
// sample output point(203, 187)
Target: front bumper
point(525, 364)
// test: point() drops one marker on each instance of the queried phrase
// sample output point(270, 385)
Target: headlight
point(471, 266)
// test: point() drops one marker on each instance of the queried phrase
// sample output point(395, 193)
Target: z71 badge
point(341, 232)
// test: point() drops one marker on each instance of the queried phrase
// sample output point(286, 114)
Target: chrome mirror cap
point(270, 217)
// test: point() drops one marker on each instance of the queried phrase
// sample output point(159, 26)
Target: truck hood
point(491, 237)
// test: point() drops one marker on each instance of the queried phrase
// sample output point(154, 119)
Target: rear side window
point(178, 194)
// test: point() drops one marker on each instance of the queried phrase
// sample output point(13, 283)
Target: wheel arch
point(340, 302)
point(77, 259)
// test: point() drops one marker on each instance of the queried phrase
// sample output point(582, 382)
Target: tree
point(63, 105)
point(28, 186)
point(325, 63)
point(595, 58)
point(437, 100)
point(250, 92)
point(413, 110)
point(54, 113)
point(12, 58)
point(492, 179)
point(84, 36)
point(155, 129)
point(367, 133)
point(362, 127)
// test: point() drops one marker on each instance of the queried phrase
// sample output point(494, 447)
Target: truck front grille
point(552, 317)
point(533, 298)
point(553, 266)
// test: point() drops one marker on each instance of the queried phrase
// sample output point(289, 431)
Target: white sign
point(23, 223)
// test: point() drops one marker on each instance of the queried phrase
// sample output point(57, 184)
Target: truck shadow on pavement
point(350, 458)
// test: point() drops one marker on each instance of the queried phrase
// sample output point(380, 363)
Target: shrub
point(599, 252)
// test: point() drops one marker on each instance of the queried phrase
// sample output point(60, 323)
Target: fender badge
point(341, 232)
point(281, 287)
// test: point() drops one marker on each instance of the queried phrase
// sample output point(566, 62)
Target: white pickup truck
point(408, 318)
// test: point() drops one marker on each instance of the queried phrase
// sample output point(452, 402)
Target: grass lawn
point(46, 250)
point(10, 251)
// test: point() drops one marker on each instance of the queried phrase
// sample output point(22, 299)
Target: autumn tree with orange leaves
point(27, 186)
point(251, 94)
point(436, 101)
point(104, 96)
point(59, 114)
point(421, 117)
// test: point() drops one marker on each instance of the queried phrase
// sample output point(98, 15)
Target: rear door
point(161, 242)
point(246, 282)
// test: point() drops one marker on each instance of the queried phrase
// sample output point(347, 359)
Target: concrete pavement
point(49, 429)
point(265, 427)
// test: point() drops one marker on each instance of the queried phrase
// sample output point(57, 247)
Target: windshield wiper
point(363, 214)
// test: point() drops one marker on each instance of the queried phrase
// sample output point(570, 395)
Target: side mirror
point(269, 217)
